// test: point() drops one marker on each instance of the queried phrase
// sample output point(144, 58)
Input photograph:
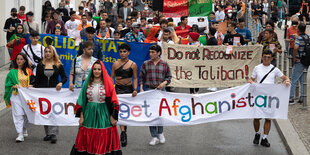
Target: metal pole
point(280, 61)
point(304, 96)
point(285, 63)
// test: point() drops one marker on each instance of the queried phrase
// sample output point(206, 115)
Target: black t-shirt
point(229, 38)
point(10, 22)
point(64, 11)
point(212, 41)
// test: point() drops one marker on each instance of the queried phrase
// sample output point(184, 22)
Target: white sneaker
point(212, 89)
point(154, 141)
point(20, 138)
point(162, 139)
point(25, 133)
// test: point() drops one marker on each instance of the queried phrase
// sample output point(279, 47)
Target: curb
point(290, 137)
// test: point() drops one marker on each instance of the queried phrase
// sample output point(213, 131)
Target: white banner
point(46, 106)
point(159, 108)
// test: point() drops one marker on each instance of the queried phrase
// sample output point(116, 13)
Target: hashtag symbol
point(31, 105)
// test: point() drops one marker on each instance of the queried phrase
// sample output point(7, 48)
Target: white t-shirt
point(92, 23)
point(72, 27)
point(38, 50)
point(160, 43)
point(260, 71)
point(219, 15)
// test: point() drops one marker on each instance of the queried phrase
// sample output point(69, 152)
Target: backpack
point(305, 59)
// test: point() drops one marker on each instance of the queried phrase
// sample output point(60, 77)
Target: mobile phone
point(292, 36)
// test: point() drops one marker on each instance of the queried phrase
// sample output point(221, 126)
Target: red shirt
point(23, 18)
point(291, 31)
point(183, 35)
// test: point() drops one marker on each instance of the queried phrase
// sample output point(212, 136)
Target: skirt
point(97, 135)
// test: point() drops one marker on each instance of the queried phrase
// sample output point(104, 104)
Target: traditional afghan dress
point(97, 102)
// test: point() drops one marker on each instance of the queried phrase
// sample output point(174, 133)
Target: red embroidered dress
point(97, 136)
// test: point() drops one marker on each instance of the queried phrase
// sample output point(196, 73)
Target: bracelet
point(135, 89)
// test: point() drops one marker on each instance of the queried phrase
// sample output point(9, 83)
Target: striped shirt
point(301, 43)
point(153, 75)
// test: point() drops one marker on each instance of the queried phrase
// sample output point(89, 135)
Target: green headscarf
point(17, 35)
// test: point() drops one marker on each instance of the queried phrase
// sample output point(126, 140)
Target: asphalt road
point(226, 137)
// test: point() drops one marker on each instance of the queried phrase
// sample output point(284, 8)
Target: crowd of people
point(34, 65)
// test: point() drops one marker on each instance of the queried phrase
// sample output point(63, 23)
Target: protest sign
point(151, 108)
point(210, 66)
point(67, 51)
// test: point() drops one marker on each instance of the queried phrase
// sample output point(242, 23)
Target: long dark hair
point(26, 64)
point(92, 77)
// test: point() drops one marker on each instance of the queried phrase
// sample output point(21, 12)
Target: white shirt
point(37, 49)
point(160, 43)
point(219, 15)
point(125, 13)
point(93, 23)
point(72, 27)
point(260, 71)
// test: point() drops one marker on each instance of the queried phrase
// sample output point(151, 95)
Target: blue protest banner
point(67, 51)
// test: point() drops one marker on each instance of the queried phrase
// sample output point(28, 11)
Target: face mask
point(229, 15)
point(294, 23)
point(14, 14)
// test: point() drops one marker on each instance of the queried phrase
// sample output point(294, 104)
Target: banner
point(159, 108)
point(151, 108)
point(46, 106)
point(67, 51)
point(210, 66)
point(191, 8)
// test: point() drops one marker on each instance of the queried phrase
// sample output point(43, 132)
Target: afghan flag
point(191, 8)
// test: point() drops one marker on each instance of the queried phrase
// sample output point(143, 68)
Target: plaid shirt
point(153, 75)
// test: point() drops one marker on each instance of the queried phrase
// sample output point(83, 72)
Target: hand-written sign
point(210, 66)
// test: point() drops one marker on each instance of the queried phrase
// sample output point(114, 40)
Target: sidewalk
point(3, 73)
point(295, 130)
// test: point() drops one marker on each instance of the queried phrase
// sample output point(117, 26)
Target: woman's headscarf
point(111, 98)
point(17, 35)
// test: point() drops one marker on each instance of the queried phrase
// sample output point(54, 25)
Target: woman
point(265, 12)
point(20, 76)
point(125, 70)
point(17, 41)
point(48, 71)
point(81, 66)
point(98, 108)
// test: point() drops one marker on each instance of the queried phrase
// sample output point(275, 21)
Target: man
point(212, 18)
point(143, 23)
point(109, 26)
point(212, 41)
point(183, 26)
point(155, 74)
point(47, 18)
point(165, 38)
point(90, 20)
point(125, 11)
point(62, 10)
point(72, 26)
point(298, 67)
point(104, 32)
point(163, 25)
point(34, 51)
point(117, 35)
point(127, 28)
point(219, 14)
point(51, 25)
point(30, 24)
point(81, 12)
point(97, 52)
point(269, 25)
point(233, 38)
point(270, 43)
point(218, 35)
point(258, 74)
point(245, 32)
point(103, 16)
point(21, 14)
point(9, 28)
point(135, 35)
point(84, 23)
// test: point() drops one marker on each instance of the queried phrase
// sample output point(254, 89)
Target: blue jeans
point(297, 75)
point(155, 130)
